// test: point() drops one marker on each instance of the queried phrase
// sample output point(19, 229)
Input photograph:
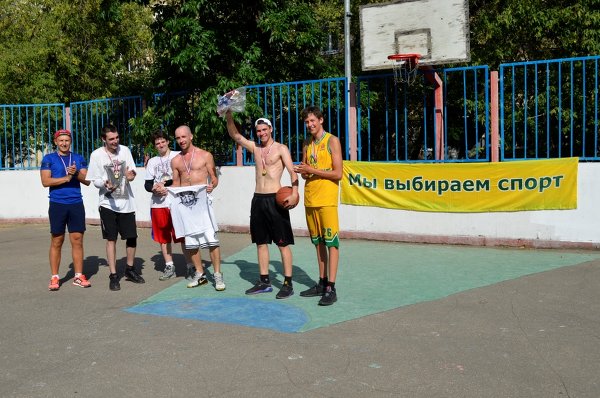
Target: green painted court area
point(373, 277)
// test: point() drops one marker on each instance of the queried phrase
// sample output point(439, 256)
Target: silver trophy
point(116, 176)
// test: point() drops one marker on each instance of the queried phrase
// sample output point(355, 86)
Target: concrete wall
point(25, 200)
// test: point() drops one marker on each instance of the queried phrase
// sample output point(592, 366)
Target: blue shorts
point(62, 215)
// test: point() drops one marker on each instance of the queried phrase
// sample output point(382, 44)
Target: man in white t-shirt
point(159, 176)
point(111, 169)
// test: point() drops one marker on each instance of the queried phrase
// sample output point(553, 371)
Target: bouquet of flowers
point(234, 100)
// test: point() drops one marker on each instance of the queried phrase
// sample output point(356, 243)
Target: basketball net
point(405, 67)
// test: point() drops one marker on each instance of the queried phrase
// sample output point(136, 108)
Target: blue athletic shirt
point(69, 192)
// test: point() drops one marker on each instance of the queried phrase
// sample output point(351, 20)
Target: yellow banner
point(462, 187)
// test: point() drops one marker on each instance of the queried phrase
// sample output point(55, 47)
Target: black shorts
point(114, 223)
point(269, 223)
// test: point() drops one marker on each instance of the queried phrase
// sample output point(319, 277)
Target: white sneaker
point(168, 273)
point(219, 284)
point(197, 280)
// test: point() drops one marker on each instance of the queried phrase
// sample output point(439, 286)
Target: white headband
point(263, 121)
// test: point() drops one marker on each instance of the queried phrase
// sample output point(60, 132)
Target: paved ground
point(434, 321)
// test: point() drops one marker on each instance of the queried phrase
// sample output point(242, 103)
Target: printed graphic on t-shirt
point(187, 198)
point(162, 172)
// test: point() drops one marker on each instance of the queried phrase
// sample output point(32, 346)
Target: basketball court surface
point(411, 321)
point(373, 277)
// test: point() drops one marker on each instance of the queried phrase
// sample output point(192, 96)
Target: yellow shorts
point(323, 225)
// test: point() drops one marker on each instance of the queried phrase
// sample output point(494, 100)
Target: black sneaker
point(329, 297)
point(133, 276)
point(113, 283)
point(316, 290)
point(286, 292)
point(260, 287)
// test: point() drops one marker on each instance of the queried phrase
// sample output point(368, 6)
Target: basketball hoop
point(405, 67)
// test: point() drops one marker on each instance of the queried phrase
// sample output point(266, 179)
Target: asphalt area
point(410, 321)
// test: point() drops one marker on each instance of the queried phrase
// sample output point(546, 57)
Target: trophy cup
point(115, 176)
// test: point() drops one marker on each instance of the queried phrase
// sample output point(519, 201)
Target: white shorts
point(202, 241)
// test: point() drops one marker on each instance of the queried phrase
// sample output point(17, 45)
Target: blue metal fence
point(397, 122)
point(88, 118)
point(390, 119)
point(549, 109)
point(282, 104)
point(26, 133)
point(467, 114)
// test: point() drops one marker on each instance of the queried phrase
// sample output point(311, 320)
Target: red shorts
point(162, 227)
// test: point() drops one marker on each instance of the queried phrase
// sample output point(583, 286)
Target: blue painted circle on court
point(241, 311)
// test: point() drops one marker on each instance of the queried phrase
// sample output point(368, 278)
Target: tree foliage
point(515, 30)
point(208, 47)
point(194, 50)
point(61, 51)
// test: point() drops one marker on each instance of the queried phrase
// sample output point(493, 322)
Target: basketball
point(282, 195)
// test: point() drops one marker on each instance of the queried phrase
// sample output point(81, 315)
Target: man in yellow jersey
point(321, 167)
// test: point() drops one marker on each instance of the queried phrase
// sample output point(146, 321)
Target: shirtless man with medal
point(194, 167)
point(269, 223)
point(158, 177)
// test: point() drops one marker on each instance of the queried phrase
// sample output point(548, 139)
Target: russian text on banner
point(549, 184)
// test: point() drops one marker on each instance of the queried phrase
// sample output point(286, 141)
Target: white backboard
point(436, 29)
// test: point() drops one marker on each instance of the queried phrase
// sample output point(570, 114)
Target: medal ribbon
point(63, 162)
point(116, 166)
point(262, 158)
point(188, 168)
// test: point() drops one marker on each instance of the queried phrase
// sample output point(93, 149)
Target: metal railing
point(282, 103)
point(467, 114)
point(546, 109)
point(549, 109)
point(88, 118)
point(397, 122)
point(27, 133)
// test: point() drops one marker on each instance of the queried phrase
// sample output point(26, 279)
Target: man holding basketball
point(269, 222)
point(321, 167)
point(194, 177)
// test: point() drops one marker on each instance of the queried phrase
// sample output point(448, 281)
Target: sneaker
point(316, 290)
point(197, 280)
point(54, 284)
point(219, 284)
point(260, 287)
point(286, 292)
point(329, 297)
point(132, 275)
point(190, 271)
point(114, 284)
point(81, 281)
point(168, 273)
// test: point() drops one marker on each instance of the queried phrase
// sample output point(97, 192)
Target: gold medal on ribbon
point(116, 176)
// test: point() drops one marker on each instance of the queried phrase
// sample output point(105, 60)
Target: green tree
point(515, 30)
point(60, 51)
point(206, 47)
